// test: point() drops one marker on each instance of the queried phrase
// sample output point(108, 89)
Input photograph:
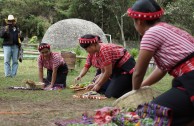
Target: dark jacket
point(10, 35)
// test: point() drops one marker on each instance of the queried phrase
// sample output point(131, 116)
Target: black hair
point(88, 36)
point(41, 44)
point(147, 6)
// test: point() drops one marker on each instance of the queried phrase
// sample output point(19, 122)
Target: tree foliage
point(35, 16)
point(181, 13)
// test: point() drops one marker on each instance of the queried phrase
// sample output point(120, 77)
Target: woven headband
point(88, 41)
point(43, 46)
point(145, 16)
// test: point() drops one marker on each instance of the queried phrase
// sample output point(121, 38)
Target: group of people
point(118, 73)
point(171, 48)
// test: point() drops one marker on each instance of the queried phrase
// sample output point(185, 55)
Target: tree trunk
point(121, 29)
point(122, 32)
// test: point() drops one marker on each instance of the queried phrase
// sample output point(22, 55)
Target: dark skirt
point(120, 83)
point(178, 99)
point(61, 76)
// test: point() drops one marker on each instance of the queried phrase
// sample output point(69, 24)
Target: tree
point(34, 16)
point(181, 13)
point(118, 8)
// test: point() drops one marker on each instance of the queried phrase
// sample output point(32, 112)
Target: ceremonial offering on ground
point(89, 95)
point(78, 87)
point(32, 85)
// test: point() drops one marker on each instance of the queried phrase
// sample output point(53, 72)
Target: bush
point(33, 40)
point(181, 14)
point(78, 52)
point(134, 52)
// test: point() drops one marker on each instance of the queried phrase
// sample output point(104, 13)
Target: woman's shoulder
point(40, 58)
point(55, 53)
point(164, 26)
point(107, 45)
point(158, 29)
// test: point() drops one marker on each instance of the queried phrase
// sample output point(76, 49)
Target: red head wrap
point(88, 41)
point(43, 46)
point(145, 16)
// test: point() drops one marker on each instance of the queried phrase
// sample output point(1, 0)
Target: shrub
point(181, 13)
point(78, 52)
point(33, 40)
point(134, 52)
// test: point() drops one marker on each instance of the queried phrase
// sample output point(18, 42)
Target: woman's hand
point(49, 87)
point(78, 78)
point(96, 87)
point(90, 86)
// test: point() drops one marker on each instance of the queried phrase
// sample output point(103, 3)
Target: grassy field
point(41, 108)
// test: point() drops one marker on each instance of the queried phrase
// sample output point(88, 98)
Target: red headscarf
point(145, 10)
point(88, 40)
point(42, 46)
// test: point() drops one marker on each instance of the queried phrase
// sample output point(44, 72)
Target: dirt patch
point(46, 112)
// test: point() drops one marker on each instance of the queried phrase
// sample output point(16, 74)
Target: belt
point(183, 68)
point(130, 72)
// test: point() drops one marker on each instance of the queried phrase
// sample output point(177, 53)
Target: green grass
point(45, 107)
point(164, 84)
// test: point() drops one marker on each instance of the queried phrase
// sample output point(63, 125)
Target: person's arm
point(141, 66)
point(82, 73)
point(154, 77)
point(90, 86)
point(40, 74)
point(54, 76)
point(99, 76)
point(4, 32)
point(106, 73)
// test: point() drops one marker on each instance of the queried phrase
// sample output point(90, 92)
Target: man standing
point(11, 44)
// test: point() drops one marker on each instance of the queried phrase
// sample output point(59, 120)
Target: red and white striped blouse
point(169, 43)
point(54, 61)
point(109, 53)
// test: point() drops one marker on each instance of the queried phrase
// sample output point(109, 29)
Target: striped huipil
point(171, 45)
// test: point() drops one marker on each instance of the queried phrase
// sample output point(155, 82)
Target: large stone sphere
point(65, 33)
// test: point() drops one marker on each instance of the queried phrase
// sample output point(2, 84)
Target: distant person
point(173, 52)
point(86, 68)
point(11, 44)
point(84, 71)
point(56, 67)
point(115, 63)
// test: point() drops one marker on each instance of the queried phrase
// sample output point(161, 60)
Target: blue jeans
point(10, 53)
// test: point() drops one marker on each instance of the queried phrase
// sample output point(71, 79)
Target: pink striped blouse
point(54, 61)
point(169, 43)
point(109, 53)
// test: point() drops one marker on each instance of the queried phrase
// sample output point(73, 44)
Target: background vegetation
point(35, 16)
